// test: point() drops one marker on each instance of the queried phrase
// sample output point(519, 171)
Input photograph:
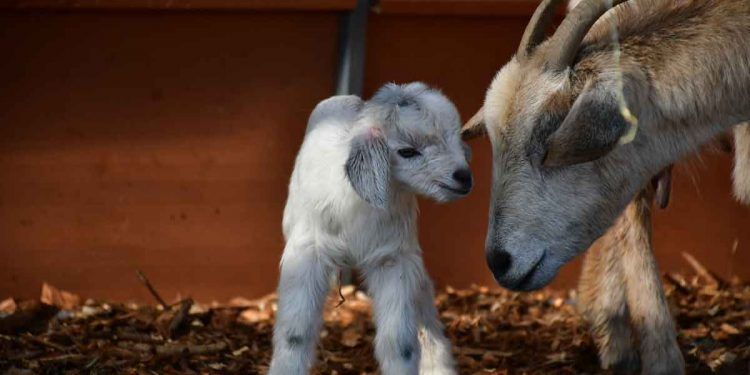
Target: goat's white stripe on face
point(505, 88)
point(499, 98)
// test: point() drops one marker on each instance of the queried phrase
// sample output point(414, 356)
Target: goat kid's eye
point(408, 153)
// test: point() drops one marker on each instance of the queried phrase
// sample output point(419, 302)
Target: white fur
point(328, 226)
point(499, 98)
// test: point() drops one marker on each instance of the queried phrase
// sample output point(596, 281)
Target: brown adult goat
point(580, 122)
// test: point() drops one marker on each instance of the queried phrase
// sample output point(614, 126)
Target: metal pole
point(350, 76)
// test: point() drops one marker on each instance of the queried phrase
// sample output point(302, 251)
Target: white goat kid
point(352, 204)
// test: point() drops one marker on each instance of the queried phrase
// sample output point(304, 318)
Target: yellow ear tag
point(633, 130)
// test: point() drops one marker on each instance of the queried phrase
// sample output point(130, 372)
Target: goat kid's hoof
point(429, 370)
point(669, 362)
point(628, 363)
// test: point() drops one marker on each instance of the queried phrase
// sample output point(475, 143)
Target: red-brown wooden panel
point(517, 8)
point(117, 5)
point(160, 141)
point(164, 141)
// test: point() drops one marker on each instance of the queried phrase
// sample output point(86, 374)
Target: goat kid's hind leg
point(303, 286)
point(394, 286)
point(649, 311)
point(602, 302)
point(437, 358)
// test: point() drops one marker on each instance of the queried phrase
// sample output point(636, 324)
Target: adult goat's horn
point(534, 33)
point(566, 40)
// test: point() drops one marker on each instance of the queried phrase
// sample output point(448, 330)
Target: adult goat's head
point(563, 132)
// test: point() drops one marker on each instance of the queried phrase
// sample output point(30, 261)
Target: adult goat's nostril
point(463, 176)
point(499, 262)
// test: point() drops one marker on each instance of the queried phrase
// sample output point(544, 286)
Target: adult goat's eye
point(408, 153)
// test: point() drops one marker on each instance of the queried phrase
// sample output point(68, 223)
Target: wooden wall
point(163, 141)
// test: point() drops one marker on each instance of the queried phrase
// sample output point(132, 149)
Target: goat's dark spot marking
point(294, 340)
point(407, 352)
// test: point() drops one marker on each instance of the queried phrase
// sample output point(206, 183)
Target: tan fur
point(625, 254)
point(682, 67)
point(572, 4)
point(620, 292)
point(602, 302)
point(742, 163)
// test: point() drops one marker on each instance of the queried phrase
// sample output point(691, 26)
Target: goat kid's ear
point(368, 166)
point(475, 127)
point(594, 126)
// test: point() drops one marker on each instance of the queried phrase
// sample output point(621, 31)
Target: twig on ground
point(151, 289)
point(41, 341)
point(180, 317)
point(120, 352)
point(64, 358)
point(137, 337)
point(341, 295)
point(174, 349)
point(678, 282)
point(701, 270)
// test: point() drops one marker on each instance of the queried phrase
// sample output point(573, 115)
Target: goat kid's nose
point(499, 262)
point(463, 177)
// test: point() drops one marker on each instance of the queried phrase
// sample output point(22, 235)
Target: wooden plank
point(211, 106)
point(180, 5)
point(512, 8)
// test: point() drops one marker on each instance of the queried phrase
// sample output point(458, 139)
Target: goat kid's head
point(408, 137)
point(563, 141)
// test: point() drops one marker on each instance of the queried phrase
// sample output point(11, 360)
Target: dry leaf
point(350, 337)
point(241, 302)
point(59, 298)
point(493, 331)
point(240, 351)
point(254, 316)
point(728, 328)
point(8, 306)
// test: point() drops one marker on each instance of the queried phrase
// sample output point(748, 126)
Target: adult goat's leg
point(603, 303)
point(649, 311)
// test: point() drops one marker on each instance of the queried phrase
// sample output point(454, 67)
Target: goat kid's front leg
point(437, 358)
point(649, 311)
point(303, 286)
point(394, 284)
point(602, 302)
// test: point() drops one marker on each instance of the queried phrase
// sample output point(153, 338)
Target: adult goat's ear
point(475, 127)
point(594, 126)
point(368, 166)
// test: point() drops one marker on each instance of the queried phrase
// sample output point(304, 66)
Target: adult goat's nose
point(463, 177)
point(499, 262)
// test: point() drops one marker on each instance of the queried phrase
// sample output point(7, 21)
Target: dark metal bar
point(352, 39)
